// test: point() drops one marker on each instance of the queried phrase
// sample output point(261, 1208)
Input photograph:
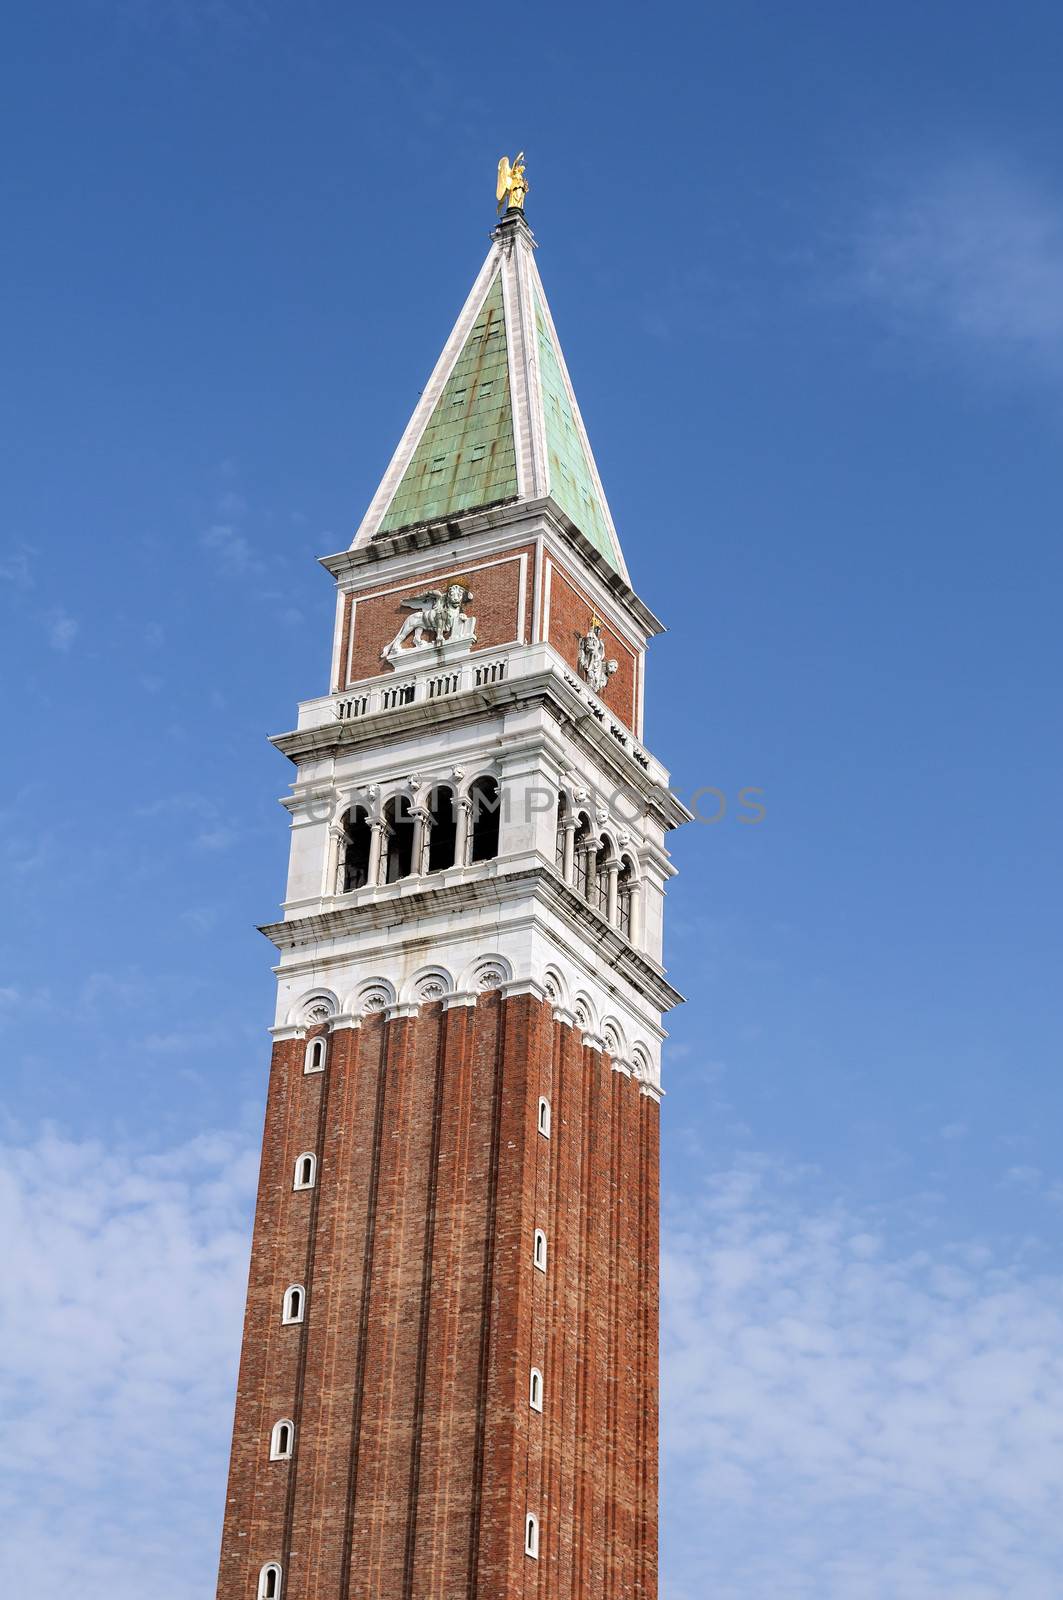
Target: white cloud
point(975, 253)
point(848, 1418)
point(15, 570)
point(230, 549)
point(120, 1305)
point(62, 628)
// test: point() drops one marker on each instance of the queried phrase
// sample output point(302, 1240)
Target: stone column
point(569, 868)
point(461, 832)
point(613, 869)
point(634, 919)
point(422, 827)
point(590, 856)
point(377, 830)
point(336, 865)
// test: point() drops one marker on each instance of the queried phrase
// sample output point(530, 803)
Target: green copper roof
point(466, 456)
point(571, 480)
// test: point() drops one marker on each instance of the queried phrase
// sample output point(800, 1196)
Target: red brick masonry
point(378, 613)
point(417, 1454)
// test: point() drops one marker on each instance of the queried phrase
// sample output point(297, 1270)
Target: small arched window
point(531, 1535)
point(535, 1390)
point(544, 1116)
point(486, 798)
point(316, 1051)
point(282, 1440)
point(269, 1581)
point(539, 1250)
point(305, 1170)
point(294, 1302)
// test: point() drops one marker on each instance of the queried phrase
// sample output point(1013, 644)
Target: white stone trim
point(334, 668)
point(522, 598)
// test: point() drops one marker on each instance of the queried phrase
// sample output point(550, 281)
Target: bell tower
point(448, 1384)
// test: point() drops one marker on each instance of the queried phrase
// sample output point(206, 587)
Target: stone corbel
point(460, 997)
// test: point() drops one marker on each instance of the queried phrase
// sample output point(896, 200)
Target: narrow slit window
point(544, 1116)
point(316, 1051)
point(269, 1581)
point(535, 1390)
point(531, 1536)
point(305, 1171)
point(282, 1440)
point(294, 1303)
point(539, 1250)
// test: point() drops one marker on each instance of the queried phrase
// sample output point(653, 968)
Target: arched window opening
point(559, 854)
point(544, 1116)
point(581, 853)
point(599, 896)
point(269, 1581)
point(539, 1250)
point(443, 839)
point(624, 895)
point(294, 1300)
point(486, 798)
point(357, 837)
point(316, 1051)
point(305, 1170)
point(535, 1390)
point(531, 1535)
point(400, 839)
point(282, 1440)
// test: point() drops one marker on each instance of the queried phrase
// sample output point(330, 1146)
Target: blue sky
point(807, 267)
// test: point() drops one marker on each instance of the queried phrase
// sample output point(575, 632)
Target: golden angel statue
point(512, 184)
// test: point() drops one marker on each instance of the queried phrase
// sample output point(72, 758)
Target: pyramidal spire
point(498, 421)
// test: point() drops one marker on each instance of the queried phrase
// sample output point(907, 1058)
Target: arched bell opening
point(626, 893)
point(357, 837)
point(443, 829)
point(581, 853)
point(399, 827)
point(559, 854)
point(486, 802)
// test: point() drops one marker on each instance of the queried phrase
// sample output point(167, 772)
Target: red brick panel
point(495, 603)
point(571, 614)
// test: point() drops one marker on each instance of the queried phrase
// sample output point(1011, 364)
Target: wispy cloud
point(230, 548)
point(120, 1305)
point(893, 1413)
point(972, 253)
point(62, 628)
point(16, 572)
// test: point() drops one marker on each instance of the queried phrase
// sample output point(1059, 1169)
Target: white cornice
point(535, 884)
